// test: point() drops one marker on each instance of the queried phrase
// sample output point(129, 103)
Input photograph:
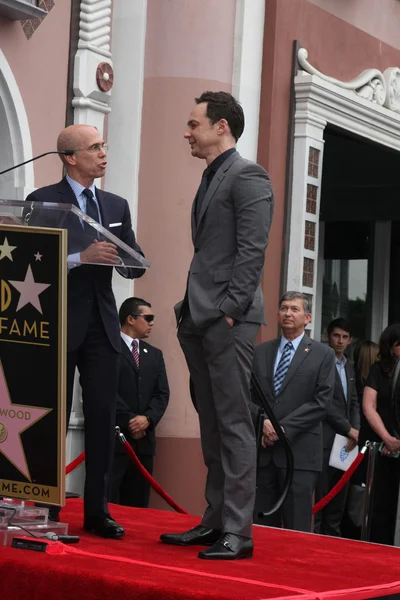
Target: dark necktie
point(92, 211)
point(91, 207)
point(135, 352)
point(201, 192)
point(282, 367)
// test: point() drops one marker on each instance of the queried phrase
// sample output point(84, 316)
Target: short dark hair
point(293, 295)
point(339, 324)
point(129, 307)
point(222, 105)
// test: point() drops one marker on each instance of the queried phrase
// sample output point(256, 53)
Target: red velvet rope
point(75, 463)
point(339, 486)
point(157, 488)
point(154, 484)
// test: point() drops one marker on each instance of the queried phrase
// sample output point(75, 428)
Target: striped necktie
point(282, 367)
point(135, 352)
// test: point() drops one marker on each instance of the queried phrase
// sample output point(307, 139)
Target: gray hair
point(307, 302)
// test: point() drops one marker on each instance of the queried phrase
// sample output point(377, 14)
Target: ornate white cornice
point(380, 88)
point(95, 26)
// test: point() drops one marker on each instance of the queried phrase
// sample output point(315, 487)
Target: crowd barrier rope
point(144, 472)
point(161, 492)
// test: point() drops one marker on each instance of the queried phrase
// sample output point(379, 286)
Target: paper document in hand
point(340, 458)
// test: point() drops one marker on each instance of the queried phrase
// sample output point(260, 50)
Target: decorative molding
point(30, 25)
point(104, 77)
point(93, 69)
point(380, 88)
point(21, 180)
point(368, 106)
point(19, 10)
point(319, 102)
point(95, 26)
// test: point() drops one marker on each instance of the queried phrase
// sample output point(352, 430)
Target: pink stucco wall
point(379, 18)
point(40, 68)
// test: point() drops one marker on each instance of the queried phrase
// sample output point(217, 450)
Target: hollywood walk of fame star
point(38, 256)
point(29, 290)
point(6, 250)
point(14, 419)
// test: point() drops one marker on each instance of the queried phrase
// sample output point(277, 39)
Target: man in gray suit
point(298, 376)
point(219, 319)
point(343, 418)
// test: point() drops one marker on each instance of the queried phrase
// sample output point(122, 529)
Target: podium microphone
point(66, 539)
point(66, 153)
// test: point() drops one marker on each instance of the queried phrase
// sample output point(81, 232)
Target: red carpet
point(286, 565)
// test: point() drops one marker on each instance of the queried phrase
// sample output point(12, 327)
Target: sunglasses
point(148, 318)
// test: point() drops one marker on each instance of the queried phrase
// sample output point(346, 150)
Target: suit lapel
point(214, 185)
point(66, 195)
point(303, 351)
point(271, 356)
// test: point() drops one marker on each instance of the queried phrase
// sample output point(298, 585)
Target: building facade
point(319, 81)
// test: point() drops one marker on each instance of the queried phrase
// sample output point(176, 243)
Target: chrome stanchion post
point(369, 492)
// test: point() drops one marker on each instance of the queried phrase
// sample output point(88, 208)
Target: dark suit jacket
point(342, 414)
point(90, 283)
point(142, 391)
point(302, 402)
point(229, 239)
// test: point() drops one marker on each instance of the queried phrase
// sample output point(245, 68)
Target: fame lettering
point(5, 296)
point(15, 414)
point(24, 329)
point(19, 329)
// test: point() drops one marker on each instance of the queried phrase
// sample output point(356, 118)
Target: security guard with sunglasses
point(143, 395)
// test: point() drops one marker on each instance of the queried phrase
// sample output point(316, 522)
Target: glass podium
point(82, 230)
point(16, 516)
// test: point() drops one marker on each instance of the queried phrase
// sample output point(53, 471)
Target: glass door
point(343, 273)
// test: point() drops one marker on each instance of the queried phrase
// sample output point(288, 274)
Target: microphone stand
point(67, 153)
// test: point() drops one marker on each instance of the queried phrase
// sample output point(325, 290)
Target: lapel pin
point(306, 350)
point(144, 350)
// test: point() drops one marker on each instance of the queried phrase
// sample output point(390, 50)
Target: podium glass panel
point(82, 230)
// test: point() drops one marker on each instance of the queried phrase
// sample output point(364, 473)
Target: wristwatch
point(149, 420)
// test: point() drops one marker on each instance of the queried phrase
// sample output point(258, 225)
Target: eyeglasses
point(95, 148)
point(148, 318)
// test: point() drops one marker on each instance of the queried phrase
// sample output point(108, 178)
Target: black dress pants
point(97, 362)
point(128, 486)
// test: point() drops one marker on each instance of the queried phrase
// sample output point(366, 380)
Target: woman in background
point(365, 355)
point(377, 407)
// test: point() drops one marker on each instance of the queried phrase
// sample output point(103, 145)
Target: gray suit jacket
point(229, 240)
point(342, 414)
point(302, 402)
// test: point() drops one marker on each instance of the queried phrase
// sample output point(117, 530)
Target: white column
point(302, 273)
point(91, 104)
point(124, 123)
point(247, 69)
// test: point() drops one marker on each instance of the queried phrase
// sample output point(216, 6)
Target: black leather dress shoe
point(199, 535)
point(105, 527)
point(229, 547)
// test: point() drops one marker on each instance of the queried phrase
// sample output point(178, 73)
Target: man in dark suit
point(93, 337)
point(219, 320)
point(143, 395)
point(343, 418)
point(297, 375)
